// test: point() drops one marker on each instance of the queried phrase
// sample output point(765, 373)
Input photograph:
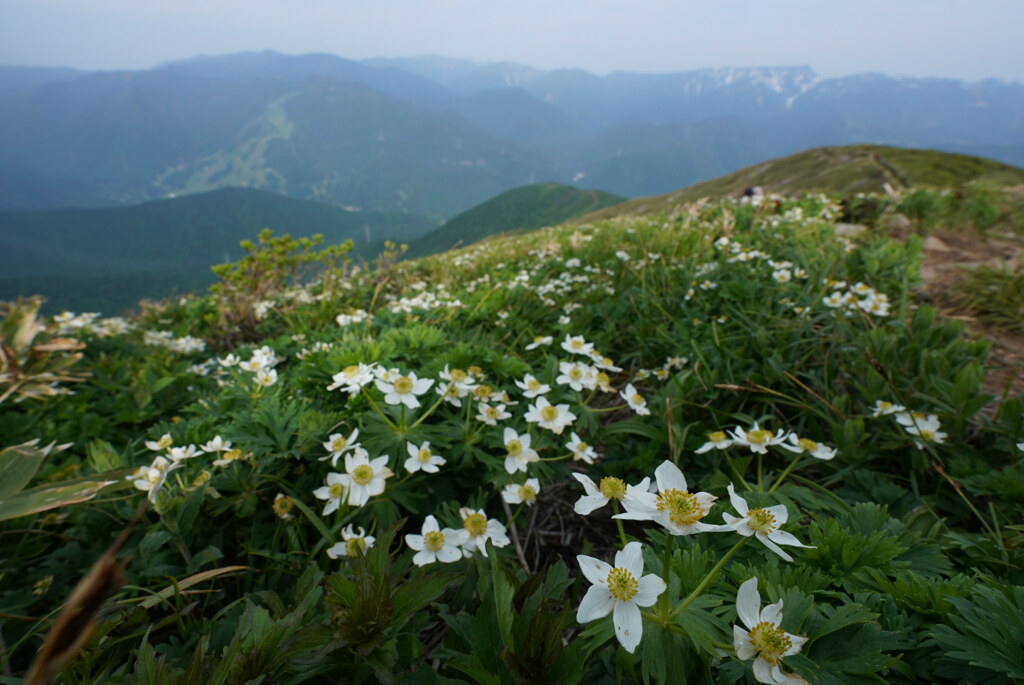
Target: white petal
point(784, 538)
point(772, 613)
point(629, 626)
point(748, 603)
point(742, 644)
point(648, 589)
point(424, 557)
point(669, 477)
point(594, 570)
point(773, 547)
point(430, 524)
point(763, 672)
point(780, 513)
point(797, 642)
point(588, 484)
point(597, 603)
point(738, 503)
point(588, 503)
point(631, 558)
point(448, 554)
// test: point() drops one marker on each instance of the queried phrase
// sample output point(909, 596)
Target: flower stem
point(710, 576)
point(666, 571)
point(428, 412)
point(373, 405)
point(618, 523)
point(785, 473)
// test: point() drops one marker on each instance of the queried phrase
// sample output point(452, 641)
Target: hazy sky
point(969, 39)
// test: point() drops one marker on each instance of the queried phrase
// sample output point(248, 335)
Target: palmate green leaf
point(987, 631)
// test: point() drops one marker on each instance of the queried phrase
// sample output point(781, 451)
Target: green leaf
point(502, 590)
point(18, 464)
point(46, 497)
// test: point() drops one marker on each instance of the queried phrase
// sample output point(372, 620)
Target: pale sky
point(966, 39)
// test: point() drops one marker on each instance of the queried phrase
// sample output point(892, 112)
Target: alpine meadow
point(765, 428)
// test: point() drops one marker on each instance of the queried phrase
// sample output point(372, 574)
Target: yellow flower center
point(575, 373)
point(458, 375)
point(928, 435)
point(759, 436)
point(539, 339)
point(770, 641)
point(201, 478)
point(636, 398)
point(362, 474)
point(527, 493)
point(351, 371)
point(424, 455)
point(514, 448)
point(582, 446)
point(576, 344)
point(807, 445)
point(482, 392)
point(533, 384)
point(603, 379)
point(549, 413)
point(283, 505)
point(622, 584)
point(403, 385)
point(682, 507)
point(338, 444)
point(612, 488)
point(165, 442)
point(717, 436)
point(433, 540)
point(761, 520)
point(475, 524)
point(355, 546)
point(492, 412)
point(336, 490)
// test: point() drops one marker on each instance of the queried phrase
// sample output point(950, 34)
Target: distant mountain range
point(435, 136)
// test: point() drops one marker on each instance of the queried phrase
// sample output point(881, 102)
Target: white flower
point(422, 459)
point(882, 408)
point(815, 449)
point(266, 377)
point(764, 641)
point(834, 300)
point(540, 340)
point(581, 450)
point(363, 477)
point(673, 506)
point(337, 445)
point(404, 389)
point(228, 361)
point(610, 488)
point(532, 387)
point(216, 445)
point(757, 439)
point(782, 276)
point(514, 493)
point(518, 452)
point(229, 456)
point(762, 523)
point(352, 543)
point(177, 454)
point(151, 478)
point(335, 491)
point(458, 377)
point(619, 591)
point(577, 375)
point(491, 414)
point(923, 428)
point(577, 345)
point(716, 441)
point(160, 445)
point(554, 418)
point(352, 378)
point(635, 400)
point(435, 544)
point(1020, 446)
point(479, 529)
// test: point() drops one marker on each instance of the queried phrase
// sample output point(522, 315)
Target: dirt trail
point(947, 256)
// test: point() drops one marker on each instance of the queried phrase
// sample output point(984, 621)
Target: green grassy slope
point(532, 206)
point(73, 252)
point(848, 169)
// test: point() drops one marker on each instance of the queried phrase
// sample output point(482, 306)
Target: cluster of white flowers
point(922, 427)
point(184, 345)
point(758, 440)
point(858, 296)
point(357, 316)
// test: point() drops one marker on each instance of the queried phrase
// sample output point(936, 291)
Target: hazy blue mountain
point(528, 207)
point(271, 65)
point(435, 136)
point(62, 253)
point(14, 76)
